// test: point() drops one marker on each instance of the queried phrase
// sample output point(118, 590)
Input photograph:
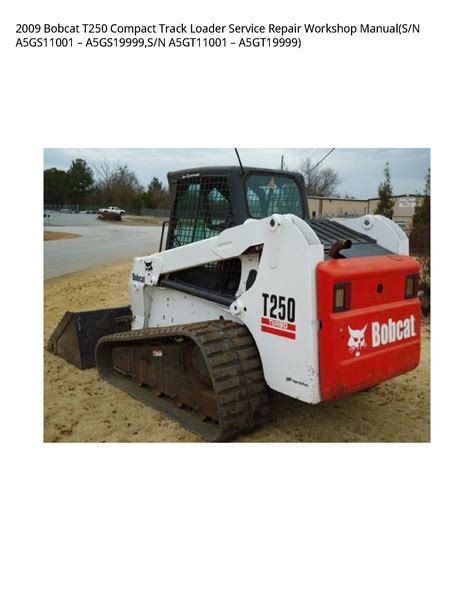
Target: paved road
point(100, 243)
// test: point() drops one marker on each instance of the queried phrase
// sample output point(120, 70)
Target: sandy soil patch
point(79, 406)
point(54, 236)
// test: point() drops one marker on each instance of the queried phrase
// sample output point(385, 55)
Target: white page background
point(169, 527)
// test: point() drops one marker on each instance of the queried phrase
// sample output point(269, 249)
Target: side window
point(185, 211)
point(269, 194)
point(202, 210)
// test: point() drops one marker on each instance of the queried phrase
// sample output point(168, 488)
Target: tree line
point(110, 184)
point(107, 184)
point(104, 185)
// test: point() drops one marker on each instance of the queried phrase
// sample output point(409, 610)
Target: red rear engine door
point(378, 335)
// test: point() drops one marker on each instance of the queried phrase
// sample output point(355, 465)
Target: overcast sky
point(360, 170)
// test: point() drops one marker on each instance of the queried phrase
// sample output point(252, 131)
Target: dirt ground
point(136, 220)
point(80, 407)
point(54, 236)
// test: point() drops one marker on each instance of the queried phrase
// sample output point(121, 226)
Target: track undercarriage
point(206, 376)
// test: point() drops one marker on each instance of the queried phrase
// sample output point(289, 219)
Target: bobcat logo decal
point(149, 265)
point(356, 340)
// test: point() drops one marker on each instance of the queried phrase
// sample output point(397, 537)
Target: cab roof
point(175, 175)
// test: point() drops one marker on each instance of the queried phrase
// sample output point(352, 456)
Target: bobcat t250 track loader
point(250, 294)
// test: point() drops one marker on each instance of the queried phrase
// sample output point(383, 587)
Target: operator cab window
point(202, 210)
point(269, 194)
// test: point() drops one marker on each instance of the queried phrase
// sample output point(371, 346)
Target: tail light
point(342, 297)
point(411, 286)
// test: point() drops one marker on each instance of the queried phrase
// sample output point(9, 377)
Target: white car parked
point(112, 209)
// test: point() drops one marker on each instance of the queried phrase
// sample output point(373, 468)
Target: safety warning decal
point(279, 328)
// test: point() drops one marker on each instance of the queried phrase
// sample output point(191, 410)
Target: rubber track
point(234, 365)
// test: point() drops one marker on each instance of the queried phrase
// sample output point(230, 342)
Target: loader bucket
point(77, 334)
